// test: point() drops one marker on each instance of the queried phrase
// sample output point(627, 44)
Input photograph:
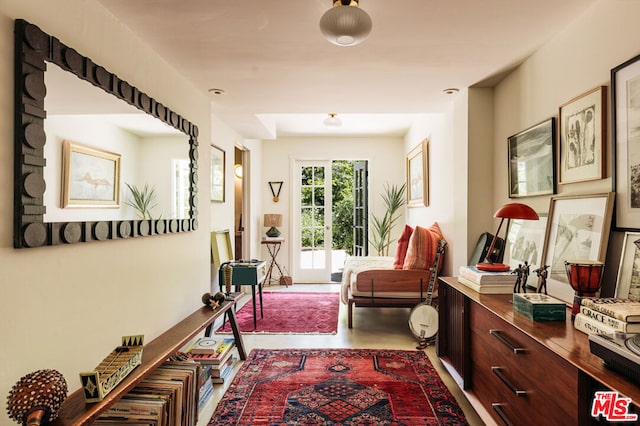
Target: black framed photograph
point(582, 133)
point(625, 86)
point(628, 282)
point(217, 173)
point(532, 160)
point(577, 229)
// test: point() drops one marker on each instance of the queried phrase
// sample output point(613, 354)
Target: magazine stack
point(216, 353)
point(608, 315)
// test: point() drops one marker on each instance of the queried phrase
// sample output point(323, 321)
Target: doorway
point(329, 211)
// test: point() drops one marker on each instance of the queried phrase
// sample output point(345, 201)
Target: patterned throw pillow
point(401, 249)
point(423, 244)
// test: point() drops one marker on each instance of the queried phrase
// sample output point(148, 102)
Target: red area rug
point(337, 387)
point(290, 312)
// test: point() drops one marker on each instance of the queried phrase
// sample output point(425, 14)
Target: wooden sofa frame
point(377, 282)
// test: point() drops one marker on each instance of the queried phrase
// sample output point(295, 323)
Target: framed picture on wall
point(418, 175)
point(577, 229)
point(90, 176)
point(582, 134)
point(628, 282)
point(217, 173)
point(625, 86)
point(531, 156)
point(525, 241)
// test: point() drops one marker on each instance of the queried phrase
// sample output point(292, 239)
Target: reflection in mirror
point(83, 137)
point(152, 154)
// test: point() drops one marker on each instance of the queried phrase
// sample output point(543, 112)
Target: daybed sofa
point(400, 281)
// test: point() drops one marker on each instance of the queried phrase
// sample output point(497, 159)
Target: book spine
point(487, 288)
point(486, 278)
point(605, 319)
point(603, 308)
point(590, 326)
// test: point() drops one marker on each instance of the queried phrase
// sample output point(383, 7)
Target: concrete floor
point(373, 328)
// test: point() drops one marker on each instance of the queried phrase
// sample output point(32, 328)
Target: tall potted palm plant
point(394, 199)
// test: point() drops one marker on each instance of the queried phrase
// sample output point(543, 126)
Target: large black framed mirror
point(36, 54)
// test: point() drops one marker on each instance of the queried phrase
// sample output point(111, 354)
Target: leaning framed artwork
point(217, 173)
point(625, 87)
point(577, 229)
point(628, 282)
point(90, 177)
point(531, 156)
point(418, 175)
point(525, 241)
point(582, 134)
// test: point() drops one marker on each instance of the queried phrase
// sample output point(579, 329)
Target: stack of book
point(487, 282)
point(217, 353)
point(167, 397)
point(608, 315)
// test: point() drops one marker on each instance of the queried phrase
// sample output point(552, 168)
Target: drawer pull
point(498, 335)
point(498, 372)
point(498, 409)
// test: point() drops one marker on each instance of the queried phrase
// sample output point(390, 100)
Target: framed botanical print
point(531, 156)
point(525, 241)
point(217, 173)
point(628, 282)
point(418, 175)
point(577, 229)
point(582, 134)
point(625, 85)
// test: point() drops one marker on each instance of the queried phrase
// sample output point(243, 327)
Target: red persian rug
point(337, 387)
point(290, 312)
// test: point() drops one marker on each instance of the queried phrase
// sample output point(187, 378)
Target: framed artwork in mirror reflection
point(531, 155)
point(90, 176)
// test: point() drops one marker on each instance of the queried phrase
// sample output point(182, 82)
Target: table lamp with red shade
point(508, 211)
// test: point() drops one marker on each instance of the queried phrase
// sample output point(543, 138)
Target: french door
point(312, 234)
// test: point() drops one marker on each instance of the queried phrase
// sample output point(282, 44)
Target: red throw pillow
point(401, 249)
point(423, 245)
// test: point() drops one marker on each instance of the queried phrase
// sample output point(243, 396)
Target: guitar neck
point(434, 271)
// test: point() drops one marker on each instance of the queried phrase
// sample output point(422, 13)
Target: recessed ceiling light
point(450, 91)
point(216, 91)
point(332, 120)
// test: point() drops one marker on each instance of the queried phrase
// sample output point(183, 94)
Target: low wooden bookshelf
point(75, 411)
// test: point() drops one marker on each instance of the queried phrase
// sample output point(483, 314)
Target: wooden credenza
point(516, 370)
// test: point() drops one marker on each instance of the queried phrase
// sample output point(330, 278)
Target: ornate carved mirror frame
point(33, 49)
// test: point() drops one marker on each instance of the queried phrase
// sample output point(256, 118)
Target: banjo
point(423, 318)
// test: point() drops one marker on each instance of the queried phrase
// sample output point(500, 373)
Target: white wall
point(66, 307)
point(386, 165)
point(575, 61)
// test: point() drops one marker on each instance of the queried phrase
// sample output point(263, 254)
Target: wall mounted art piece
point(628, 282)
point(217, 174)
point(418, 175)
point(531, 156)
point(525, 242)
point(577, 229)
point(625, 85)
point(90, 176)
point(582, 134)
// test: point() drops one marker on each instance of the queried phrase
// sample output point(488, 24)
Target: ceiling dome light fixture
point(332, 120)
point(345, 24)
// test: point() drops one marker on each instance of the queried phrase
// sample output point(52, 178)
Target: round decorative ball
point(42, 390)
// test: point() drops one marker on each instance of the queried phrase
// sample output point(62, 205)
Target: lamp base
point(273, 232)
point(493, 267)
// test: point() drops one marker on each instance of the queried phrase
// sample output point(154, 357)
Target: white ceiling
point(281, 78)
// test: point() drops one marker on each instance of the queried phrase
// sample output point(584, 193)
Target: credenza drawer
point(512, 370)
